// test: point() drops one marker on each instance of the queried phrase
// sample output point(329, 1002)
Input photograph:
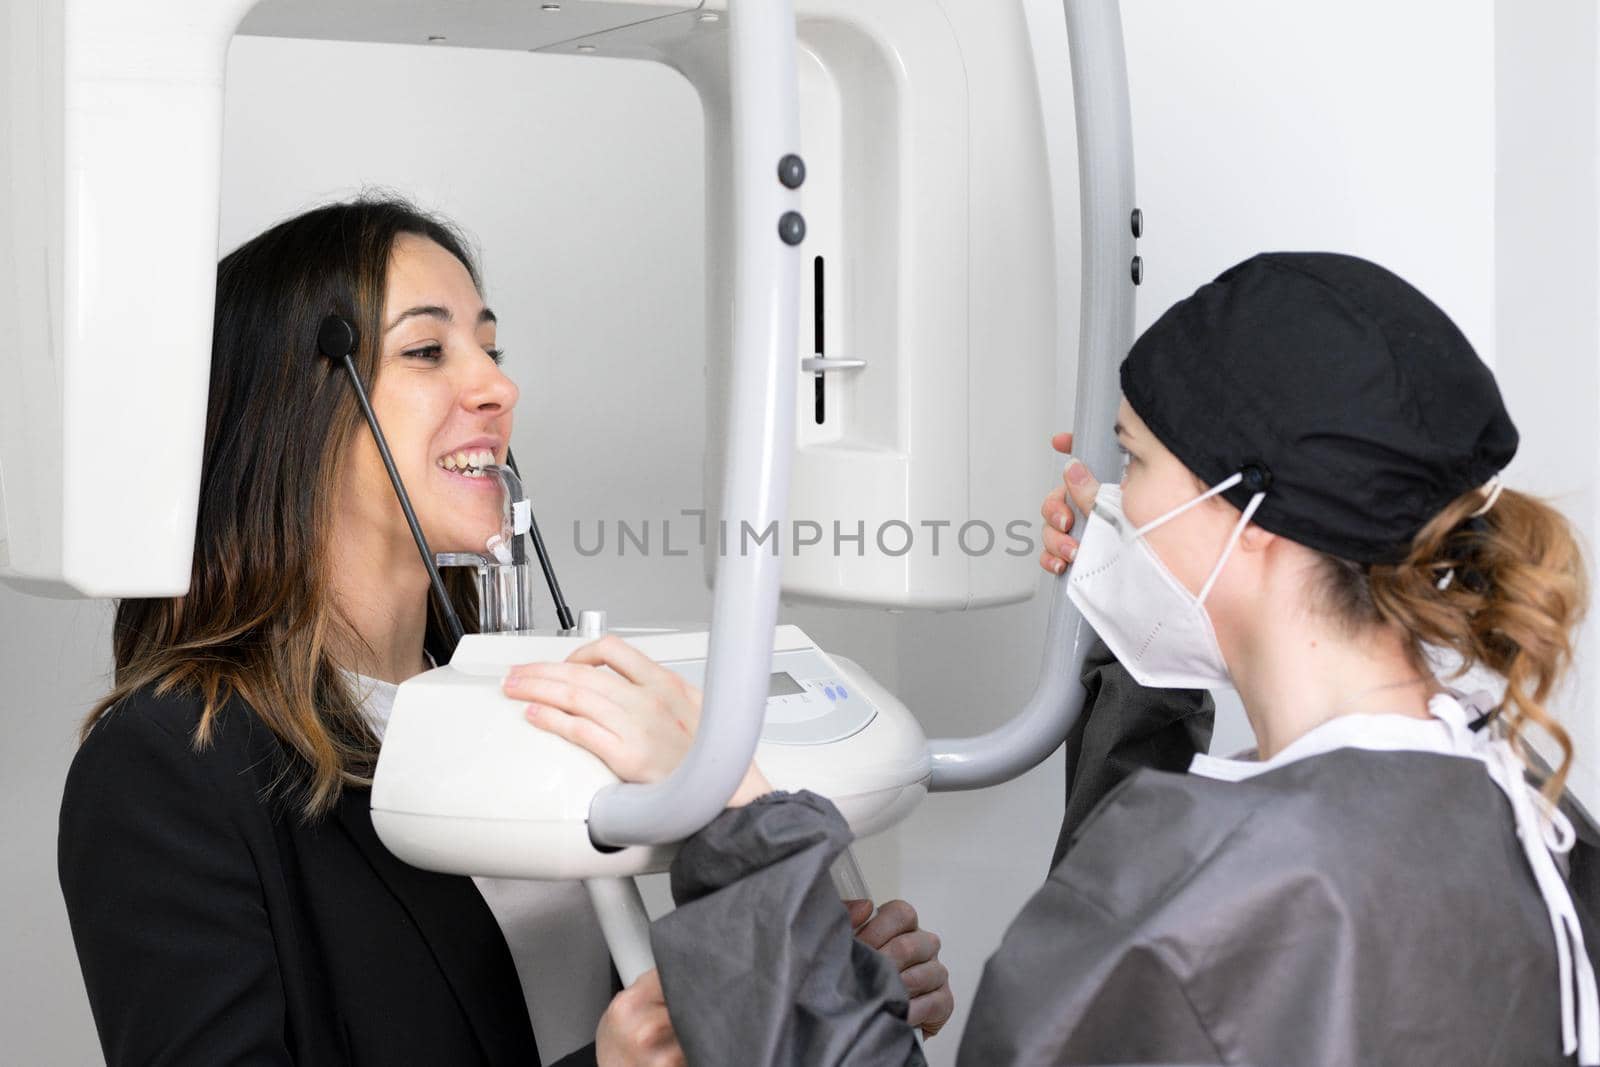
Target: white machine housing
point(927, 203)
point(465, 783)
point(931, 260)
point(932, 332)
point(927, 193)
point(110, 164)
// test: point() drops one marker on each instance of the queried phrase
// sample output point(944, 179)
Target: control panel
point(810, 700)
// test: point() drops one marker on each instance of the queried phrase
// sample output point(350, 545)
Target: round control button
point(791, 171)
point(792, 228)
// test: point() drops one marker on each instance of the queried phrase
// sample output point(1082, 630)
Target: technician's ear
point(1255, 539)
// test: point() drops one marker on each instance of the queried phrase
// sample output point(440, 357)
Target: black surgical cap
point(1333, 382)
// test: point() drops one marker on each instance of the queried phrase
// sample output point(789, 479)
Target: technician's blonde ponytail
point(1505, 589)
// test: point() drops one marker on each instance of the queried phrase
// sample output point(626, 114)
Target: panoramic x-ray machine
point(881, 165)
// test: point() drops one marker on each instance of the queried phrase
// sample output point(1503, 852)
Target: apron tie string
point(1544, 832)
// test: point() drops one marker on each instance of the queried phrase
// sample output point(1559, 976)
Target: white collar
point(377, 697)
point(1376, 733)
point(1541, 828)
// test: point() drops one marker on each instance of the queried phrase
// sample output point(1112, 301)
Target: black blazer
point(214, 927)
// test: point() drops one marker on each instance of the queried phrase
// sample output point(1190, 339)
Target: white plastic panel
point(927, 195)
point(32, 131)
point(464, 784)
point(500, 24)
point(899, 303)
point(927, 199)
point(113, 134)
point(947, 263)
point(110, 137)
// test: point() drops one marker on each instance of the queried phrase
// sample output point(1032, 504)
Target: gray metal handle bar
point(766, 127)
point(1105, 173)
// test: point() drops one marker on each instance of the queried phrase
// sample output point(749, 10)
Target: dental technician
point(1312, 512)
point(229, 898)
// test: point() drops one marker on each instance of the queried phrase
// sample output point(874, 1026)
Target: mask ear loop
point(1491, 493)
point(1233, 539)
point(1221, 487)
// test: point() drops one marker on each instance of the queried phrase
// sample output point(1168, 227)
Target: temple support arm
point(766, 129)
point(1105, 171)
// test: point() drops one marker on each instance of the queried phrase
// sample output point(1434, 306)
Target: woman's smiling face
point(444, 406)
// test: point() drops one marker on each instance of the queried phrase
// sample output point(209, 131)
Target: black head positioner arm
point(336, 341)
point(563, 613)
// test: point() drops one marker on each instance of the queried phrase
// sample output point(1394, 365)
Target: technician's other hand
point(636, 1031)
point(1078, 486)
point(635, 715)
point(893, 931)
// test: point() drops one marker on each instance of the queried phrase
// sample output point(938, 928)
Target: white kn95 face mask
point(1155, 627)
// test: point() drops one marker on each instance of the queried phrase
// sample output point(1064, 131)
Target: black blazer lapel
point(462, 934)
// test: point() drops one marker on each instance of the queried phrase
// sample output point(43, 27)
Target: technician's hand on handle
point(636, 1031)
point(894, 931)
point(608, 697)
point(1080, 486)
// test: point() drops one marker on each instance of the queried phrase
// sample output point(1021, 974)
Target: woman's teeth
point(470, 464)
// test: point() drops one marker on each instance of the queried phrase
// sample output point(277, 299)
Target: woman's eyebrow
point(430, 310)
point(437, 312)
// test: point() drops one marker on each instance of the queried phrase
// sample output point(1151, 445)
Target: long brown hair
point(259, 619)
point(1504, 590)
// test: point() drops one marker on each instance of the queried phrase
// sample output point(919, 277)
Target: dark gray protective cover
point(758, 961)
point(1125, 728)
point(1352, 908)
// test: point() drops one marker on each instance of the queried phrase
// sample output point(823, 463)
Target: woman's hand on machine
point(608, 697)
point(1078, 486)
point(894, 932)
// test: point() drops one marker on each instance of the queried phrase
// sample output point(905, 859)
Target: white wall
point(54, 662)
point(1547, 330)
point(1364, 127)
point(1367, 126)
